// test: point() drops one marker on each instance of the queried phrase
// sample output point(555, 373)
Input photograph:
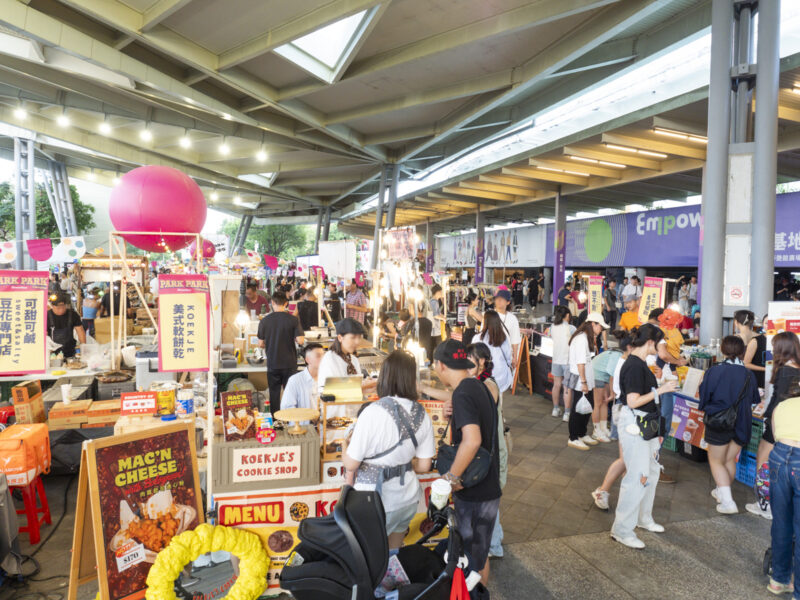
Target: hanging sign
point(23, 322)
point(183, 323)
point(652, 297)
point(401, 244)
point(595, 292)
point(135, 493)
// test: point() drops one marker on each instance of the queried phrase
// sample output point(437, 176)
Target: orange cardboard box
point(74, 421)
point(78, 408)
point(25, 391)
point(26, 452)
point(28, 402)
point(101, 424)
point(105, 408)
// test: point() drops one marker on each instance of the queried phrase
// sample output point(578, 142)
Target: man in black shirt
point(307, 310)
point(334, 304)
point(474, 424)
point(63, 324)
point(278, 332)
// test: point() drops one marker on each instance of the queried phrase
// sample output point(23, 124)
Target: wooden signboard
point(523, 372)
point(135, 493)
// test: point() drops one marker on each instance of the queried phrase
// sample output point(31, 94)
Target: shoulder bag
point(478, 468)
point(725, 420)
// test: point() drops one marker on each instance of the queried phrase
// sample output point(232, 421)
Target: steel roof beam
point(629, 159)
point(653, 145)
point(163, 9)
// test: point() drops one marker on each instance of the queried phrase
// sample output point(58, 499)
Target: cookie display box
point(289, 461)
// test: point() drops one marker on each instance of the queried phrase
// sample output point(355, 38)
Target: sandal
point(779, 588)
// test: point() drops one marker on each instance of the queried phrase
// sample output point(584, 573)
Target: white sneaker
point(601, 436)
point(727, 508)
point(587, 439)
point(652, 527)
point(600, 499)
point(715, 495)
point(755, 508)
point(566, 416)
point(577, 444)
point(556, 412)
point(631, 542)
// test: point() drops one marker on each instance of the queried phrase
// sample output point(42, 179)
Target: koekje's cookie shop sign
point(264, 464)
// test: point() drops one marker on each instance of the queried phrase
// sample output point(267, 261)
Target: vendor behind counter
point(64, 324)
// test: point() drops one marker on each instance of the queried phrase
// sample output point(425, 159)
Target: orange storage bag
point(24, 452)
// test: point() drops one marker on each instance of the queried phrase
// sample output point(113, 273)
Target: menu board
point(652, 297)
point(401, 244)
point(143, 490)
point(595, 293)
point(687, 422)
point(183, 323)
point(23, 322)
point(238, 415)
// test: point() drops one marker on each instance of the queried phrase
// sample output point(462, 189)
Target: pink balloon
point(209, 250)
point(162, 199)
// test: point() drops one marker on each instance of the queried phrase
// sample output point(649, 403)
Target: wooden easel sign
point(135, 493)
point(523, 373)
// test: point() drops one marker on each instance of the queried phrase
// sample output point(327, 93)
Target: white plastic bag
point(583, 407)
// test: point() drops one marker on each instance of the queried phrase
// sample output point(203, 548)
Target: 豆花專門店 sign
point(652, 294)
point(23, 321)
point(263, 464)
point(183, 323)
point(595, 293)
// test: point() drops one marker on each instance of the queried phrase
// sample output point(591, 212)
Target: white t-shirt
point(375, 432)
point(154, 286)
point(630, 291)
point(617, 370)
point(579, 354)
point(560, 335)
point(512, 325)
point(333, 365)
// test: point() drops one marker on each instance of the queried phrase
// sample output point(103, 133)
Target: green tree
point(45, 219)
point(283, 241)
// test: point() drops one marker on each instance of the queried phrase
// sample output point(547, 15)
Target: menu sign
point(595, 287)
point(687, 422)
point(23, 322)
point(652, 297)
point(138, 403)
point(183, 323)
point(238, 417)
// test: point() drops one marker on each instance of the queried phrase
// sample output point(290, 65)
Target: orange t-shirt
point(629, 320)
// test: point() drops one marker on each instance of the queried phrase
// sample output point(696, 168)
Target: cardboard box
point(71, 421)
point(55, 427)
point(100, 424)
point(102, 329)
point(25, 391)
point(103, 419)
point(78, 408)
point(104, 408)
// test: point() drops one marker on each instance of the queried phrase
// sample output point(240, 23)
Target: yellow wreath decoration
point(188, 546)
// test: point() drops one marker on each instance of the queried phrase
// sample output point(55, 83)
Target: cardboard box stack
point(103, 413)
point(69, 416)
point(28, 404)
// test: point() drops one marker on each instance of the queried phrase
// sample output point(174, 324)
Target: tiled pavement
point(556, 541)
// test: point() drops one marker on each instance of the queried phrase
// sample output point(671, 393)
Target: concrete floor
point(556, 541)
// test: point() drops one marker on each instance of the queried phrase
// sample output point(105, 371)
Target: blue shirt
point(298, 391)
point(720, 389)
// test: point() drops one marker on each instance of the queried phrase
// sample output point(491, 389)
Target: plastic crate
point(746, 468)
point(756, 433)
point(670, 443)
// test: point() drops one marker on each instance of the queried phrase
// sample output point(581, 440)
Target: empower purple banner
point(663, 238)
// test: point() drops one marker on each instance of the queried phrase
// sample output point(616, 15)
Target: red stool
point(32, 511)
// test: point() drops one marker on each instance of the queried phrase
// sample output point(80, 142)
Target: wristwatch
point(449, 477)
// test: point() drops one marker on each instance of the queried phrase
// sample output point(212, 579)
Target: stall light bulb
point(242, 320)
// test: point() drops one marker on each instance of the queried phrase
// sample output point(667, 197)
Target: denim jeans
point(635, 504)
point(784, 484)
point(496, 547)
point(667, 402)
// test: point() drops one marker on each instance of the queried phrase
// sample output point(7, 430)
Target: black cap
point(453, 354)
point(59, 298)
point(349, 325)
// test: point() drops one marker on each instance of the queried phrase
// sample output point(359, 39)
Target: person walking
point(639, 398)
point(91, 304)
point(561, 332)
point(785, 384)
point(610, 304)
point(279, 333)
point(755, 344)
point(474, 426)
point(474, 317)
point(356, 305)
point(581, 348)
point(727, 386)
point(495, 338)
point(502, 302)
point(392, 441)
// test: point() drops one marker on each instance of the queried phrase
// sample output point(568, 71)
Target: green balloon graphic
point(598, 240)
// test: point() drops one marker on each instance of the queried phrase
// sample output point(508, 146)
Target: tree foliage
point(284, 241)
point(45, 219)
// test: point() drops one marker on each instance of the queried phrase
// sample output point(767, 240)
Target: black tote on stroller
point(344, 556)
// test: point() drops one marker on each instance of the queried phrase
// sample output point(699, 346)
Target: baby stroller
point(344, 556)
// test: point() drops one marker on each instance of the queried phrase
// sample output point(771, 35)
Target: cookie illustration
point(280, 541)
point(298, 511)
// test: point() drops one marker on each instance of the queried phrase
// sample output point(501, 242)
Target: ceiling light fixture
point(20, 113)
point(261, 156)
point(185, 142)
point(104, 128)
point(635, 151)
point(566, 172)
point(91, 176)
point(214, 196)
point(796, 89)
point(62, 120)
point(237, 200)
point(226, 116)
point(224, 148)
point(691, 137)
point(594, 161)
point(146, 135)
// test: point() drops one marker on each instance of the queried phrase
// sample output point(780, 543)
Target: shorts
point(397, 521)
point(767, 435)
point(599, 381)
point(475, 524)
point(721, 438)
point(559, 370)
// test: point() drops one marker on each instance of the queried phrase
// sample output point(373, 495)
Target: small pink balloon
point(209, 250)
point(158, 199)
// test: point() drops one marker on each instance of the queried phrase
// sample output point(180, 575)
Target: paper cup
point(440, 493)
point(66, 393)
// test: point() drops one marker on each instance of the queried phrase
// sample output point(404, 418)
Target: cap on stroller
point(344, 556)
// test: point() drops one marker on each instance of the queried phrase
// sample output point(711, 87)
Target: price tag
point(138, 403)
point(128, 555)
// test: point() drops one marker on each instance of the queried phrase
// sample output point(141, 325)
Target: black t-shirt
point(474, 405)
point(635, 377)
point(562, 297)
point(279, 330)
point(335, 307)
point(106, 304)
point(307, 313)
point(61, 328)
